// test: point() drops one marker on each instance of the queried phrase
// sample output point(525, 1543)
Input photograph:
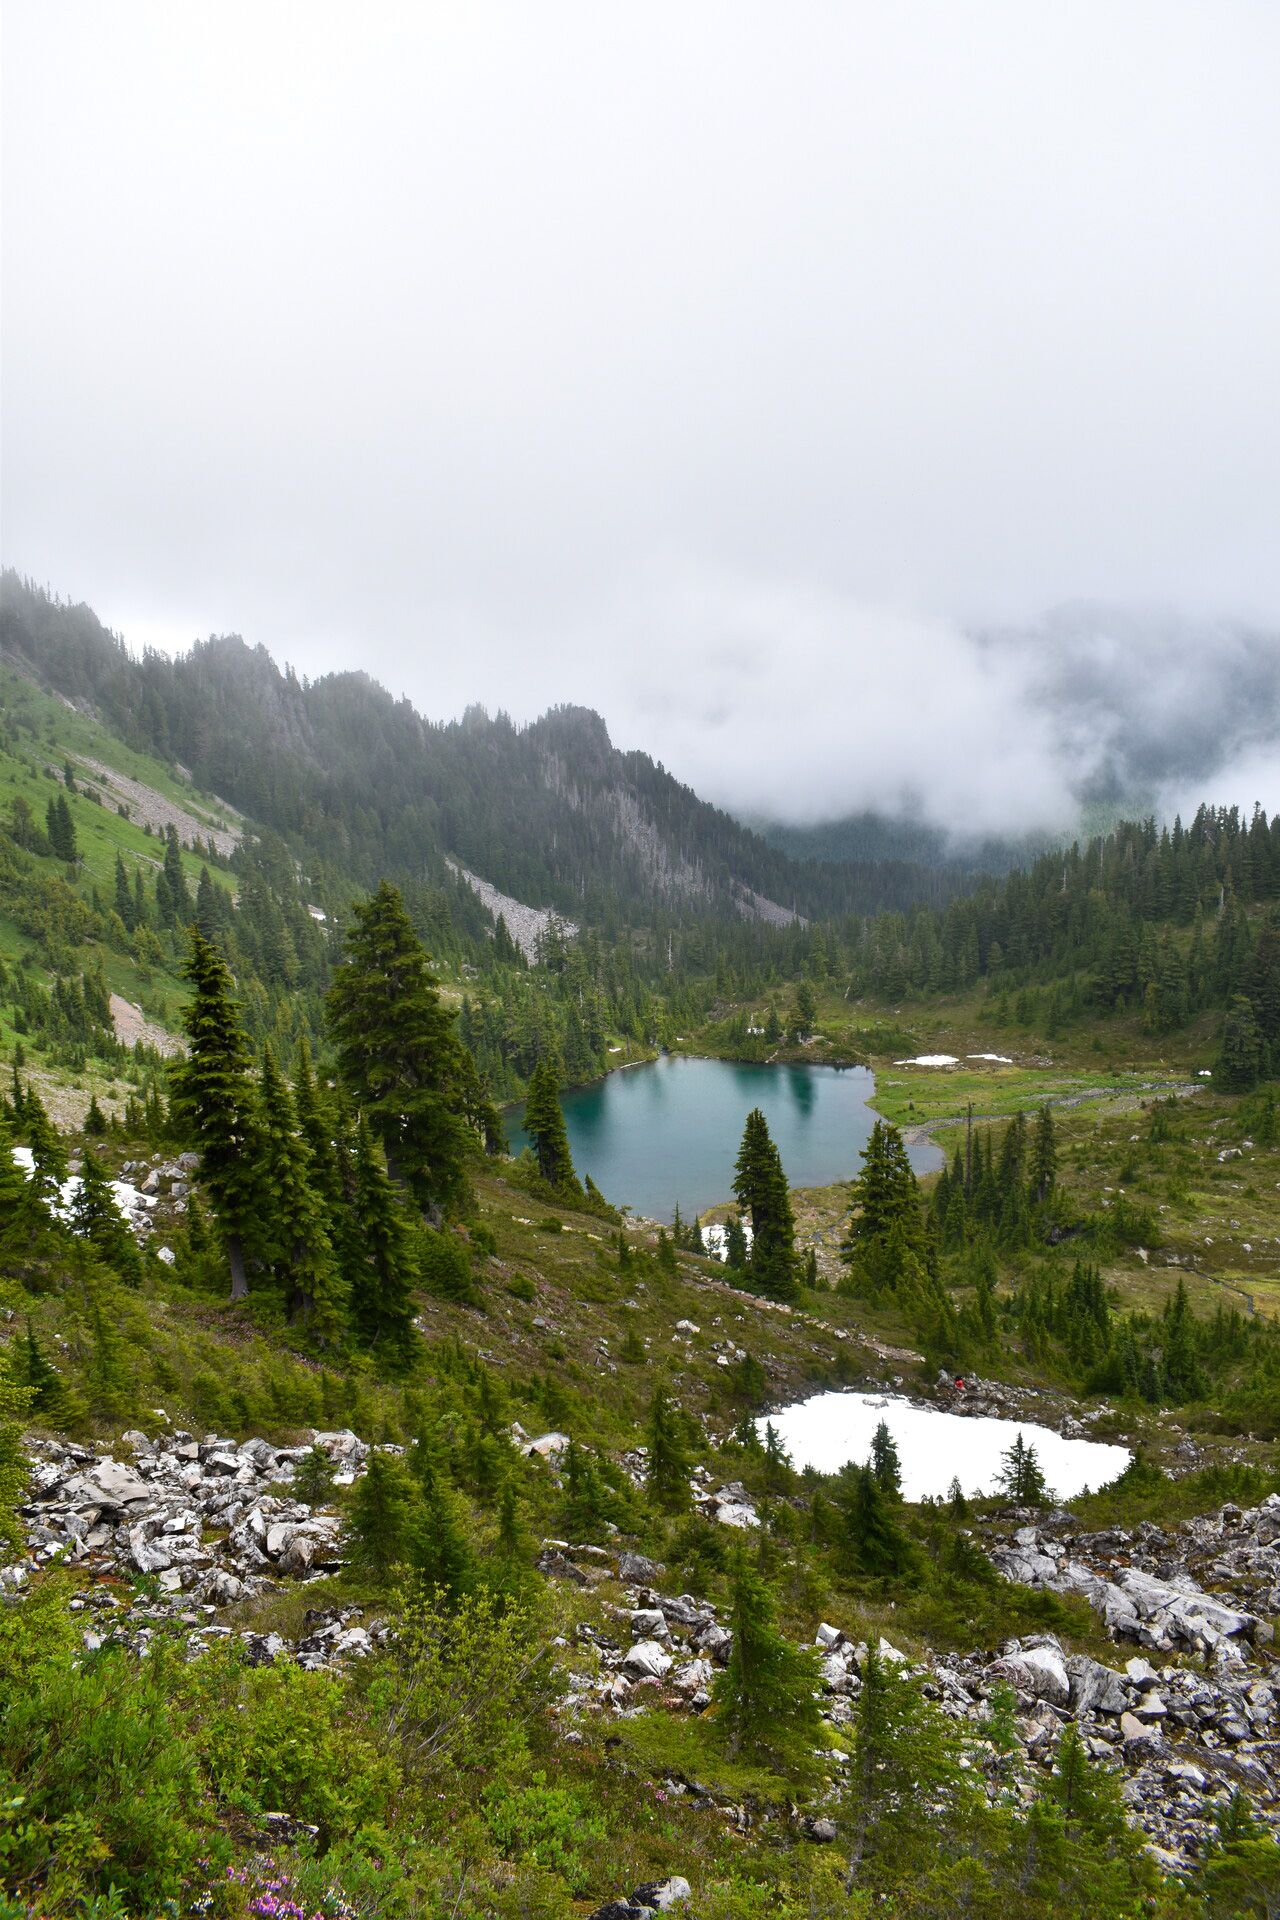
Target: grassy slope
point(49, 733)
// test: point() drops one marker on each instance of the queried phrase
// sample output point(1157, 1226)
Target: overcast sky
point(726, 367)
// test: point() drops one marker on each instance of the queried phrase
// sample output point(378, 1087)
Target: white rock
point(647, 1661)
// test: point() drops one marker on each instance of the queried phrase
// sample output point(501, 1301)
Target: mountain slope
point(361, 784)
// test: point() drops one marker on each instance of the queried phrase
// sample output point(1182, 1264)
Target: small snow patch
point(1001, 1059)
point(930, 1060)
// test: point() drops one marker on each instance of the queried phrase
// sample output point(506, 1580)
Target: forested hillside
point(361, 784)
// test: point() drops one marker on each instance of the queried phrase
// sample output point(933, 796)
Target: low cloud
point(806, 708)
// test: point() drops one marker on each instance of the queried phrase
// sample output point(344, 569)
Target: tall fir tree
point(667, 1474)
point(61, 828)
point(1021, 1475)
point(872, 1537)
point(379, 1267)
point(760, 1187)
point(885, 1198)
point(214, 1100)
point(293, 1232)
point(385, 1515)
point(48, 1154)
point(765, 1699)
point(15, 1410)
point(1044, 1156)
point(885, 1464)
point(95, 1217)
point(124, 902)
point(397, 1051)
point(544, 1124)
point(176, 879)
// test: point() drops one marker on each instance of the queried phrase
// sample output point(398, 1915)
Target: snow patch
point(131, 1203)
point(930, 1060)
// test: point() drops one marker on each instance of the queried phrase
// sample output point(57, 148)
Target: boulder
point(298, 1555)
point(635, 1570)
point(1137, 1735)
point(650, 1623)
point(1094, 1688)
point(647, 1660)
point(662, 1895)
point(1039, 1671)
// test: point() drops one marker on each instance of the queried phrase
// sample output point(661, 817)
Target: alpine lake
point(667, 1133)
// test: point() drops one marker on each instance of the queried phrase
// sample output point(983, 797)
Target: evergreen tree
point(61, 829)
point(124, 896)
point(760, 1187)
point(208, 914)
point(765, 1698)
point(96, 1218)
point(1242, 1060)
point(735, 1244)
point(313, 1477)
point(1021, 1477)
point(1183, 1376)
point(48, 1154)
point(397, 1052)
point(544, 1123)
point(806, 1012)
point(442, 1555)
point(885, 1197)
point(872, 1541)
point(667, 1474)
point(175, 878)
point(906, 1757)
point(95, 1120)
point(106, 1374)
point(319, 1125)
point(215, 1102)
point(380, 1266)
point(589, 1504)
point(885, 1464)
point(15, 1196)
point(1044, 1156)
point(632, 1351)
point(15, 1409)
point(293, 1236)
point(384, 1516)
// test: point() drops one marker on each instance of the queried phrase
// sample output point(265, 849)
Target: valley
point(427, 1574)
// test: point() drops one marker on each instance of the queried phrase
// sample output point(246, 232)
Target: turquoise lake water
point(669, 1131)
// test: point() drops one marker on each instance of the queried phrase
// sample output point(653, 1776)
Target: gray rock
point(662, 1895)
point(650, 1623)
point(1094, 1688)
point(635, 1570)
point(647, 1660)
point(1136, 1733)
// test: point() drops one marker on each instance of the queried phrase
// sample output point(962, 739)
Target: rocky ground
point(186, 1527)
point(1187, 1733)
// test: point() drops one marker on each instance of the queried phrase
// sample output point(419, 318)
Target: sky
point(857, 404)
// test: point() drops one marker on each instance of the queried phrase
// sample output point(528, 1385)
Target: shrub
point(105, 1781)
point(444, 1265)
point(546, 1825)
point(283, 1739)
